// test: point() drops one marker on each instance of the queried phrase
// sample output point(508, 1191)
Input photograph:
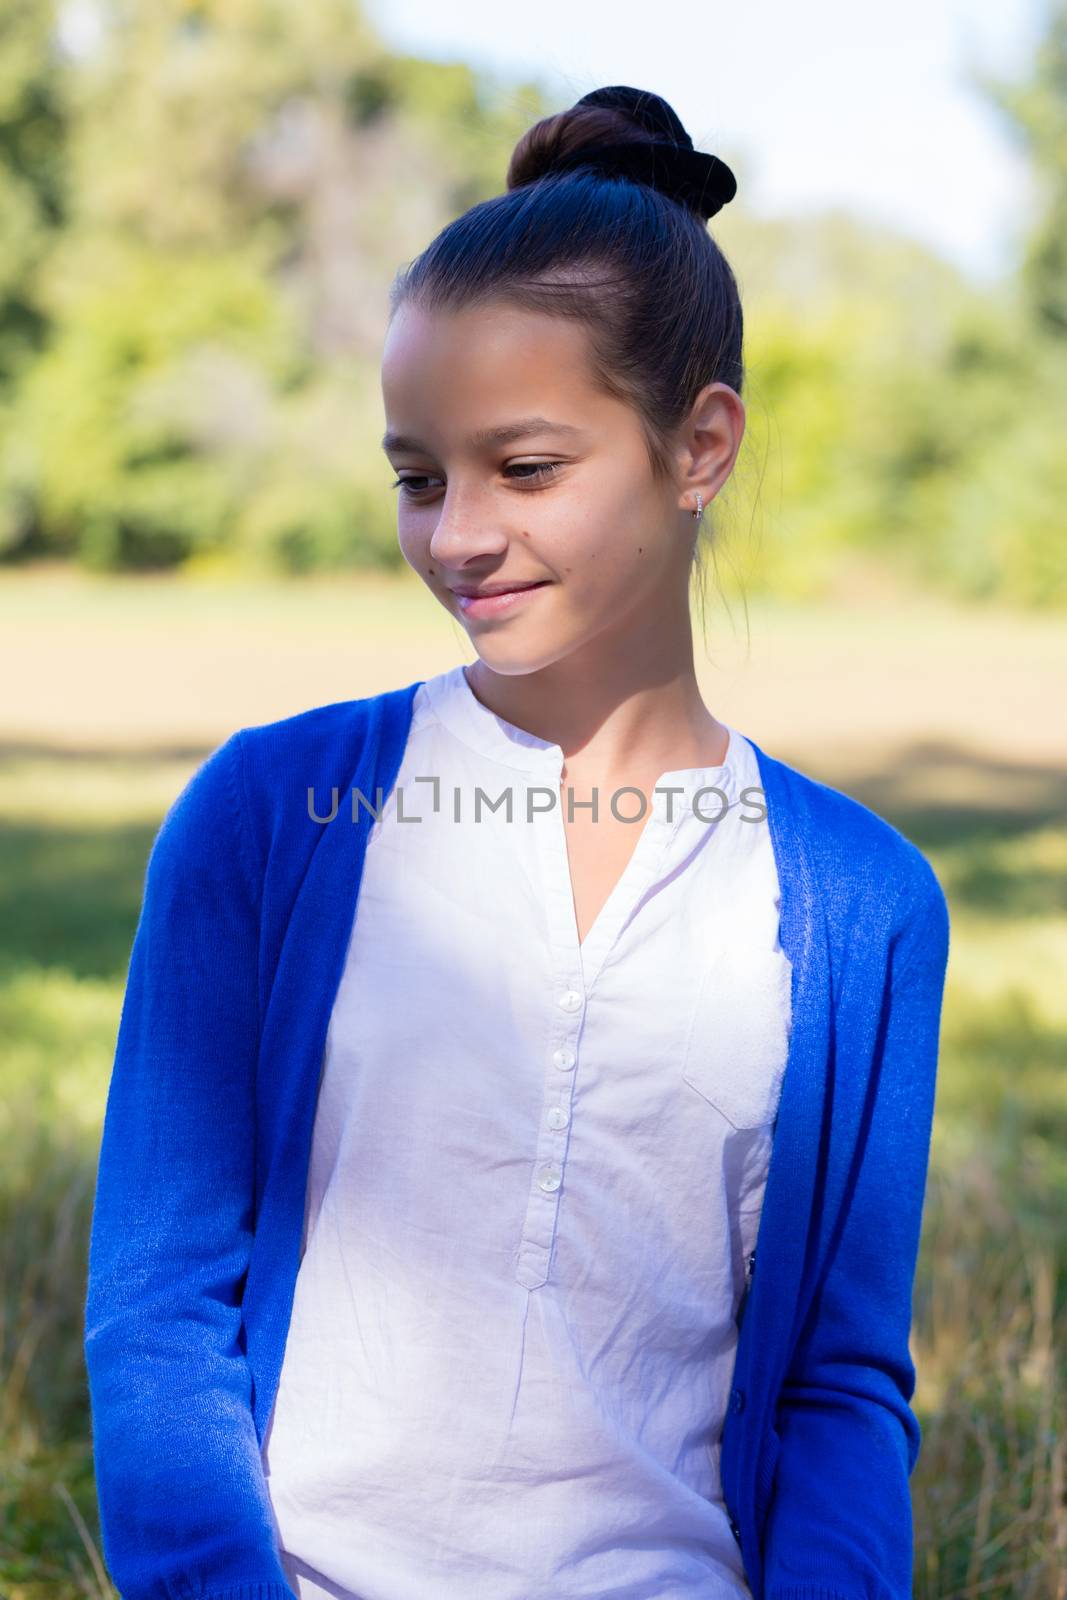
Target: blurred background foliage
point(202, 211)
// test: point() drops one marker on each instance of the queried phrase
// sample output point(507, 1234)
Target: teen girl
point(480, 1035)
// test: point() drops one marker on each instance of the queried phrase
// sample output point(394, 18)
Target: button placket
point(543, 1205)
point(558, 1116)
point(578, 971)
point(568, 1001)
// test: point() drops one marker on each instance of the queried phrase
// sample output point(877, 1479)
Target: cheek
point(609, 525)
point(581, 539)
point(414, 546)
point(607, 553)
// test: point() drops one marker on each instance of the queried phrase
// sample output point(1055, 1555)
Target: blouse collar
point(452, 700)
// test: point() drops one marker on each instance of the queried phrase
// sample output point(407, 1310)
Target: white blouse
point(536, 1175)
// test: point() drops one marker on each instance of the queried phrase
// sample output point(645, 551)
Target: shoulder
point(340, 745)
point(874, 881)
point(250, 792)
point(325, 744)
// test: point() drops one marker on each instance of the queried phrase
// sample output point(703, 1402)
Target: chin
point(515, 662)
point(505, 666)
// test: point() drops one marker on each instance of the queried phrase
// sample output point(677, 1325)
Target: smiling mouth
point(485, 605)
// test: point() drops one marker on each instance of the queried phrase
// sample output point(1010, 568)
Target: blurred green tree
point(206, 206)
point(244, 178)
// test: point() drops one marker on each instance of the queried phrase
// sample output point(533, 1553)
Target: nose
point(466, 528)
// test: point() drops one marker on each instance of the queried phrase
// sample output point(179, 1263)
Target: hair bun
point(649, 111)
point(606, 129)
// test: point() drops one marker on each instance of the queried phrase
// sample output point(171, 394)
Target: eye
point(541, 471)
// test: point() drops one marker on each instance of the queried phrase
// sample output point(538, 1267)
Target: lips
point(489, 593)
point(497, 602)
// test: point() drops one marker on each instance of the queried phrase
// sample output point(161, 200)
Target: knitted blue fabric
point(248, 906)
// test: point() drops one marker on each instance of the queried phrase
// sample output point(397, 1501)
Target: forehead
point(482, 365)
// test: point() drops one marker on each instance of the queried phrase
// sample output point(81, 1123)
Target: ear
point(708, 442)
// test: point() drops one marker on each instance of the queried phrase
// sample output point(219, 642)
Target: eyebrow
point(505, 433)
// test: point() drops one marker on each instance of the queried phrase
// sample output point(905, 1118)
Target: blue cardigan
point(198, 1214)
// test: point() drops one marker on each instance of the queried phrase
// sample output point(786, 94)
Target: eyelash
point(543, 470)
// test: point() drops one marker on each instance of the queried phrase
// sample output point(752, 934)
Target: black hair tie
point(699, 180)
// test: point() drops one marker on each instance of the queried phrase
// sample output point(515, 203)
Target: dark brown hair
point(636, 266)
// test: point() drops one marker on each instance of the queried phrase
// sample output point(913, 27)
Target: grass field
point(949, 723)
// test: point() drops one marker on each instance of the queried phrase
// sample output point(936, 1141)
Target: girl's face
point(514, 470)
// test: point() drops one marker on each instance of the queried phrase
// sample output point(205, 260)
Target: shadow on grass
point(967, 808)
point(70, 898)
point(138, 756)
point(69, 895)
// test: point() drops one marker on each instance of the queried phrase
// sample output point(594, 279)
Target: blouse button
point(570, 1000)
point(550, 1177)
point(563, 1058)
point(557, 1117)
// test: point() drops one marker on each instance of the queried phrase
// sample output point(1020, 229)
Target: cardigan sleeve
point(184, 1509)
point(839, 1524)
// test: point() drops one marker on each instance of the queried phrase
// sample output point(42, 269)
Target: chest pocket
point(738, 1039)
